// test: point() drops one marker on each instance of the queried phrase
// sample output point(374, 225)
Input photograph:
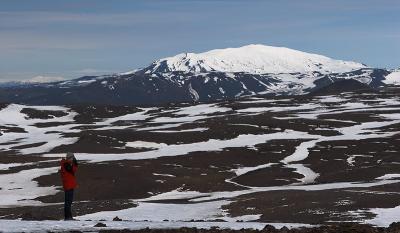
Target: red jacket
point(68, 170)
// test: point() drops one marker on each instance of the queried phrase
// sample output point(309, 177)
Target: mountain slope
point(342, 85)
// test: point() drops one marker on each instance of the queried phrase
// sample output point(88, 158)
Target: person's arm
point(75, 161)
point(61, 165)
point(68, 167)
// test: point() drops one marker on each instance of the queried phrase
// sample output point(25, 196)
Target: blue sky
point(71, 38)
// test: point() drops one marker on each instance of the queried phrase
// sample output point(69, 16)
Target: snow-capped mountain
point(214, 75)
point(254, 59)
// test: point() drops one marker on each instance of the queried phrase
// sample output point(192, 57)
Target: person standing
point(69, 166)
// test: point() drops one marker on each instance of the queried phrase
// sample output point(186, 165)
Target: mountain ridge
point(158, 83)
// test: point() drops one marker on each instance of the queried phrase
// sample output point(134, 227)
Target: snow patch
point(393, 78)
point(19, 189)
point(143, 144)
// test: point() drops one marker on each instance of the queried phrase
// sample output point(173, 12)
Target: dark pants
point(69, 197)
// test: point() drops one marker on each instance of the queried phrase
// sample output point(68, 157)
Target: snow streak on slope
point(255, 59)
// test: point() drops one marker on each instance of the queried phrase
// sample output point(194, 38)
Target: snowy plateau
point(298, 161)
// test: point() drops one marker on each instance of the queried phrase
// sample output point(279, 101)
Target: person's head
point(69, 156)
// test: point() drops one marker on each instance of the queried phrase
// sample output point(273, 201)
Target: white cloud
point(45, 79)
point(44, 18)
point(93, 71)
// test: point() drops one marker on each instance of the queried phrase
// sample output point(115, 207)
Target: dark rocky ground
point(345, 228)
point(340, 228)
